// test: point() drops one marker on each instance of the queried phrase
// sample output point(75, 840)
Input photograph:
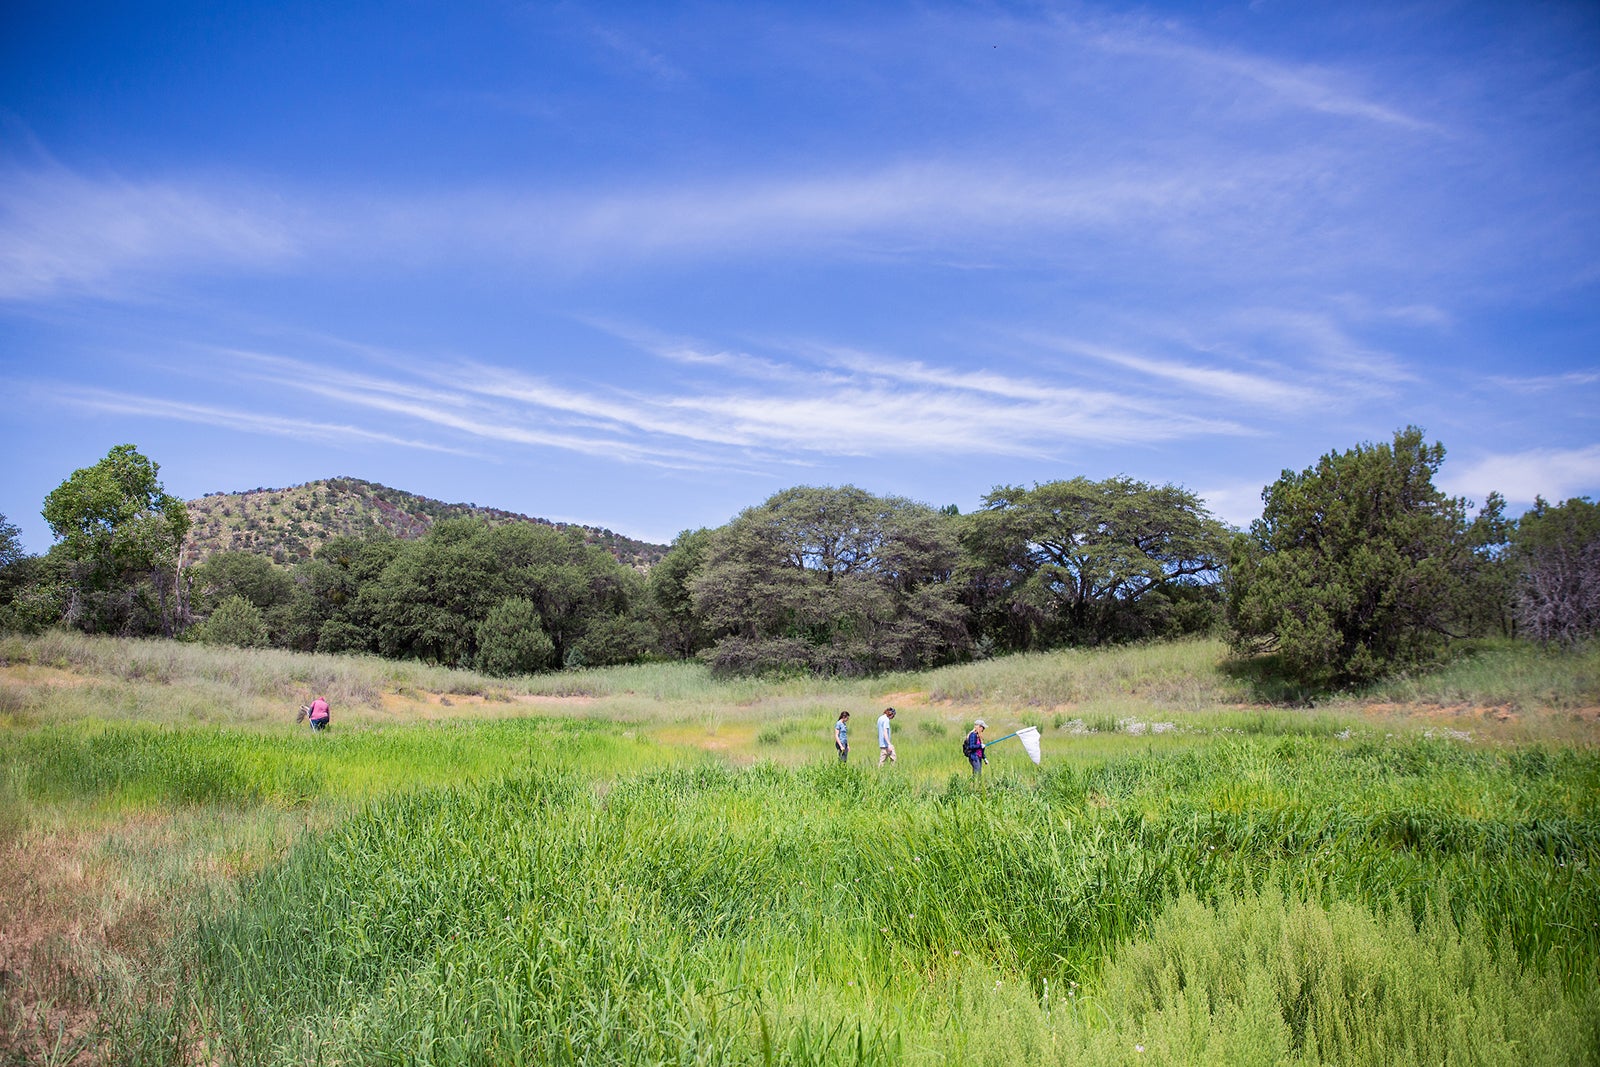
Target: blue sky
point(643, 265)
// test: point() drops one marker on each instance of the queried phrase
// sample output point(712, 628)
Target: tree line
point(1359, 565)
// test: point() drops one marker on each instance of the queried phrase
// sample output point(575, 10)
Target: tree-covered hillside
point(289, 525)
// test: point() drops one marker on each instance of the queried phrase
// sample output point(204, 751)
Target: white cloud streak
point(112, 402)
point(854, 405)
point(1554, 474)
point(1306, 87)
point(1546, 383)
point(1252, 389)
point(63, 233)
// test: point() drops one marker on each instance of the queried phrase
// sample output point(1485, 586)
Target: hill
point(289, 525)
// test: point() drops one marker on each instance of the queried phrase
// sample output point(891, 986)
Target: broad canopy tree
point(832, 580)
point(1082, 562)
point(1358, 565)
point(121, 532)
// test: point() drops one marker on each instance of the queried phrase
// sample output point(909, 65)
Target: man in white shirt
point(885, 746)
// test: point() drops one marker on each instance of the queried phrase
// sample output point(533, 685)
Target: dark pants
point(977, 765)
point(844, 752)
point(319, 724)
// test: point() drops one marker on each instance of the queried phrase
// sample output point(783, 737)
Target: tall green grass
point(113, 767)
point(1181, 675)
point(1505, 673)
point(829, 915)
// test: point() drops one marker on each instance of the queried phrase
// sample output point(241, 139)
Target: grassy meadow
point(647, 865)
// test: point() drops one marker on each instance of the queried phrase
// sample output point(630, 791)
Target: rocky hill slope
point(290, 524)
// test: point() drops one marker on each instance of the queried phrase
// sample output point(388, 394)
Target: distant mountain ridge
point(289, 525)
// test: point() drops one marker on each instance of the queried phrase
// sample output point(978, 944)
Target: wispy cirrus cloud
point(1319, 341)
point(1545, 383)
point(414, 392)
point(832, 403)
point(115, 402)
point(61, 232)
point(1211, 381)
point(1301, 86)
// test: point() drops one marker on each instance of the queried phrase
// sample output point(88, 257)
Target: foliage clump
point(120, 533)
point(236, 622)
point(1556, 551)
point(1358, 565)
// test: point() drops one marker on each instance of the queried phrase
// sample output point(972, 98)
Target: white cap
point(981, 723)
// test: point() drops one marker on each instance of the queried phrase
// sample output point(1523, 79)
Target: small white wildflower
point(1138, 1048)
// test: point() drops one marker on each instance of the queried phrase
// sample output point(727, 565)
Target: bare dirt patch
point(50, 938)
point(576, 701)
point(1455, 712)
point(412, 704)
point(39, 675)
point(1497, 722)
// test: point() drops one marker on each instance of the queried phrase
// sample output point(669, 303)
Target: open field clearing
point(648, 865)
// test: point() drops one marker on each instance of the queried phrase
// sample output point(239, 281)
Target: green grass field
point(647, 865)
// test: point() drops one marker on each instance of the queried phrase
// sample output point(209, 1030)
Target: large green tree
point(1084, 562)
point(10, 544)
point(680, 628)
point(263, 584)
point(1555, 555)
point(1358, 565)
point(328, 612)
point(121, 531)
point(32, 588)
point(514, 596)
point(833, 580)
point(431, 598)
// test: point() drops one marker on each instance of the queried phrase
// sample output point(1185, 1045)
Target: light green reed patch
point(1266, 979)
point(113, 767)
